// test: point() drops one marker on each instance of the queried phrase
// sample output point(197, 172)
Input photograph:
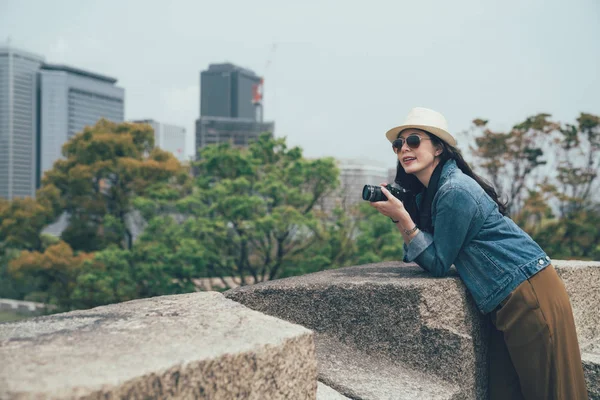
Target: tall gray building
point(227, 91)
point(18, 122)
point(71, 99)
point(227, 110)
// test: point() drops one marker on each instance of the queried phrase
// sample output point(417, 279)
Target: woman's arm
point(455, 212)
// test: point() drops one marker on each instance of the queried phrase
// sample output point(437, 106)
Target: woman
point(459, 220)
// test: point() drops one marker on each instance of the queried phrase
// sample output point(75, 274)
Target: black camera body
point(373, 193)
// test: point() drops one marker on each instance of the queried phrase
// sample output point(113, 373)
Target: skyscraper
point(229, 111)
point(71, 99)
point(227, 91)
point(18, 122)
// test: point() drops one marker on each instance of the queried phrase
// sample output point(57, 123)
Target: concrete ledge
point(582, 280)
point(590, 356)
point(324, 392)
point(399, 313)
point(198, 345)
point(364, 376)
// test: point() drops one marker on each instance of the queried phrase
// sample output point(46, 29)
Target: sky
point(338, 74)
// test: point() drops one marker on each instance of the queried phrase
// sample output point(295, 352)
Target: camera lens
point(366, 193)
point(372, 193)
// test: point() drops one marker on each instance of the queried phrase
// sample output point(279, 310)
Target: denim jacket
point(490, 252)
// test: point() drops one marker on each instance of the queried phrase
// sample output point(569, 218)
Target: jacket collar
point(448, 168)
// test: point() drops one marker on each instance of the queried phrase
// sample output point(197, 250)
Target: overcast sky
point(338, 74)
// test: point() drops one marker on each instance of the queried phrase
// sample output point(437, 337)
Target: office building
point(227, 91)
point(230, 106)
point(168, 137)
point(70, 100)
point(18, 122)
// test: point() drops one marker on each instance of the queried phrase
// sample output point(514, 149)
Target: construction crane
point(258, 89)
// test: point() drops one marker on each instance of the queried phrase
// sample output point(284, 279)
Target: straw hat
point(427, 120)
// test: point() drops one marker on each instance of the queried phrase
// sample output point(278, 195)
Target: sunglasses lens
point(413, 141)
point(397, 144)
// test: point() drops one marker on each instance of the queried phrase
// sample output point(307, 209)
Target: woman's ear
point(439, 149)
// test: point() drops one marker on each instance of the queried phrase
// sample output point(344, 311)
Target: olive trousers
point(534, 353)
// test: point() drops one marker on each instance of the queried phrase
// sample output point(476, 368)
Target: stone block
point(324, 392)
point(399, 314)
point(199, 345)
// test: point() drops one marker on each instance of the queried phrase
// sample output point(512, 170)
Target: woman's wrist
point(405, 224)
point(403, 220)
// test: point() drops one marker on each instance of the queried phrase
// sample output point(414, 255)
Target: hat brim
point(392, 134)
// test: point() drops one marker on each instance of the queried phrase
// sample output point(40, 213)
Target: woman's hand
point(392, 208)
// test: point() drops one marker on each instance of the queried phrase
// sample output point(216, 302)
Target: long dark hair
point(410, 181)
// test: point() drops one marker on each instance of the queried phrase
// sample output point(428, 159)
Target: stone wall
point(421, 335)
point(378, 331)
point(198, 345)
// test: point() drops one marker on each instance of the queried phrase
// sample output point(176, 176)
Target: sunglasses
point(413, 141)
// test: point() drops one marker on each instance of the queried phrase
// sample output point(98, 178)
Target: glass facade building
point(226, 91)
point(18, 122)
point(227, 112)
point(70, 100)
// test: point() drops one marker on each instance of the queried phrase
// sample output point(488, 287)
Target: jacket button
point(547, 258)
point(541, 261)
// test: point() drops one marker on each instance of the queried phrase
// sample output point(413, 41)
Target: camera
point(373, 193)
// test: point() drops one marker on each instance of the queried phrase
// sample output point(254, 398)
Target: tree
point(352, 235)
point(556, 207)
point(578, 155)
point(57, 269)
point(21, 223)
point(23, 219)
point(107, 278)
point(162, 262)
point(511, 159)
point(253, 208)
point(104, 169)
point(379, 239)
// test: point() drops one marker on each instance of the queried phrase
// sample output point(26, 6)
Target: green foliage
point(350, 236)
point(558, 208)
point(54, 271)
point(22, 220)
point(252, 213)
point(108, 278)
point(379, 239)
point(253, 209)
point(105, 168)
point(11, 288)
point(509, 159)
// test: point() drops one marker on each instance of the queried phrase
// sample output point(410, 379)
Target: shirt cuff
point(417, 245)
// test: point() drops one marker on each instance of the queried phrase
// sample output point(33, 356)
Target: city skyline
point(336, 79)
